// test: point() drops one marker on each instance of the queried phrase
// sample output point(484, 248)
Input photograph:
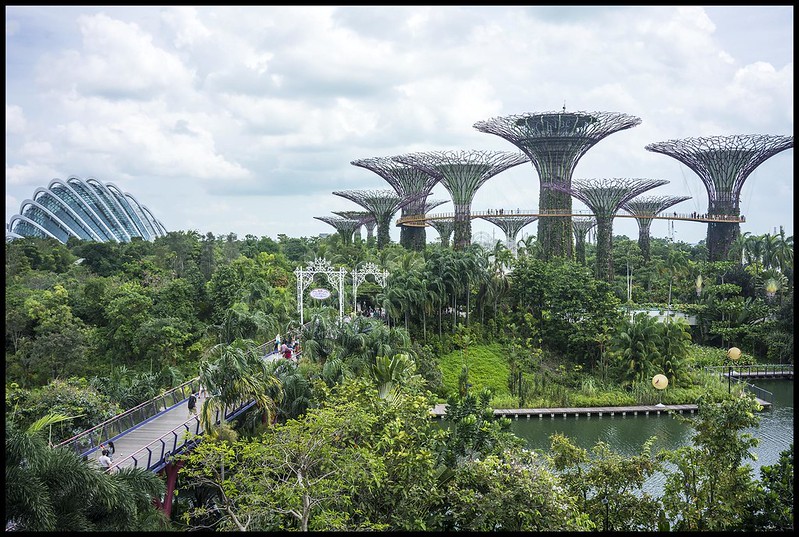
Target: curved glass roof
point(85, 209)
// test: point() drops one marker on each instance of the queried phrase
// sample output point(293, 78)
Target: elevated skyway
point(421, 220)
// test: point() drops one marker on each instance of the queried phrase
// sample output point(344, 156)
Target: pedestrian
point(201, 391)
point(285, 351)
point(111, 449)
point(105, 460)
point(277, 342)
point(192, 404)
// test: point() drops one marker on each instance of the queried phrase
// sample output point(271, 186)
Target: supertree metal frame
point(364, 218)
point(344, 226)
point(408, 181)
point(723, 163)
point(644, 208)
point(604, 197)
point(462, 173)
point(382, 204)
point(581, 225)
point(555, 142)
point(511, 225)
point(444, 226)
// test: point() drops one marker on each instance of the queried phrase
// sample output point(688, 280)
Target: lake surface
point(626, 434)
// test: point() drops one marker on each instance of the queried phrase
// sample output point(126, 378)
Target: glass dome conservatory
point(84, 209)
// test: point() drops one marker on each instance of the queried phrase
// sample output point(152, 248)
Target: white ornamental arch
point(306, 276)
point(359, 276)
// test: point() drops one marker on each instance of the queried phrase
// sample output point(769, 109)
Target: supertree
point(408, 181)
point(444, 226)
point(646, 207)
point(581, 225)
point(382, 204)
point(511, 225)
point(604, 197)
point(555, 142)
point(462, 173)
point(344, 226)
point(723, 163)
point(364, 218)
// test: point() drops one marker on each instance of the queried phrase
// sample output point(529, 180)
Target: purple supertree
point(644, 208)
point(364, 218)
point(605, 197)
point(462, 173)
point(723, 163)
point(555, 142)
point(407, 181)
point(382, 204)
point(581, 225)
point(344, 226)
point(511, 225)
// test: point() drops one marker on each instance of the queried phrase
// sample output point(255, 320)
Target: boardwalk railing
point(90, 440)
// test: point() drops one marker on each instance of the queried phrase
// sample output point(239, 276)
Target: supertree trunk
point(604, 248)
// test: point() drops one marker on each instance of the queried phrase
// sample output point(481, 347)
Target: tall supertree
point(581, 225)
point(408, 181)
point(644, 208)
point(723, 163)
point(511, 225)
point(364, 218)
point(555, 142)
point(444, 226)
point(462, 173)
point(344, 226)
point(605, 197)
point(382, 204)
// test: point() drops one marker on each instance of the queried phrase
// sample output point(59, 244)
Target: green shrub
point(504, 401)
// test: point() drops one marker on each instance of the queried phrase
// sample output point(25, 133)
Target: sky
point(246, 119)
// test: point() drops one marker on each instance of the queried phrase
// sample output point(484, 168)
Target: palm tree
point(53, 489)
point(737, 252)
point(637, 348)
point(675, 265)
point(389, 372)
point(236, 375)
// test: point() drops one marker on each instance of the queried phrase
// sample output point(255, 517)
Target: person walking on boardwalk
point(192, 404)
point(105, 461)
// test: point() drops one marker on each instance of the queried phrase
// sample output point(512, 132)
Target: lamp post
point(660, 382)
point(733, 354)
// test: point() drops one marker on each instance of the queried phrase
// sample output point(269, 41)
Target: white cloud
point(219, 113)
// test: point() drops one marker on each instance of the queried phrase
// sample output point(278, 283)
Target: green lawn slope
point(488, 367)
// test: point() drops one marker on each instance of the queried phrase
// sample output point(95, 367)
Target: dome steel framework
point(83, 209)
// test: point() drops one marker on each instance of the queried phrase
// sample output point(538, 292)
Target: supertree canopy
point(646, 207)
point(382, 204)
point(444, 226)
point(462, 173)
point(605, 197)
point(364, 218)
point(511, 225)
point(723, 163)
point(581, 225)
point(407, 181)
point(344, 226)
point(555, 142)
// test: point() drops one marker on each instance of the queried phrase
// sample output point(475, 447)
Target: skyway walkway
point(147, 435)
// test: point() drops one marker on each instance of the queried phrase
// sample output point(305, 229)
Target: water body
point(626, 434)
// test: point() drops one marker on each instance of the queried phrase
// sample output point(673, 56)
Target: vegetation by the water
point(96, 328)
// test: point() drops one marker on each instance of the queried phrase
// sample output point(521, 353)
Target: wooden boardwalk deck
point(440, 410)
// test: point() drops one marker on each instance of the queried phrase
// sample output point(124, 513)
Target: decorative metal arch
point(359, 276)
point(305, 278)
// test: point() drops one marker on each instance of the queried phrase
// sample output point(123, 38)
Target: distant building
point(84, 209)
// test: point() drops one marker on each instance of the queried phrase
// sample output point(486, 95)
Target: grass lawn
point(487, 366)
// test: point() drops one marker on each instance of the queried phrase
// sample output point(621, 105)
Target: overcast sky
point(246, 119)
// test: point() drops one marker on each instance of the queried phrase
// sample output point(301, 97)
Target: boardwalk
point(645, 410)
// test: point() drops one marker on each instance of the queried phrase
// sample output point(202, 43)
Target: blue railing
point(88, 441)
point(155, 455)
